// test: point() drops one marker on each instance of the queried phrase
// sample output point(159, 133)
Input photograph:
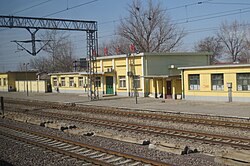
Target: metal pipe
point(26, 75)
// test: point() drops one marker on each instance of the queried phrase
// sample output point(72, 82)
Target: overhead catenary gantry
point(90, 27)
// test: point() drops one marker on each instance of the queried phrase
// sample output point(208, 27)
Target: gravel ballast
point(17, 154)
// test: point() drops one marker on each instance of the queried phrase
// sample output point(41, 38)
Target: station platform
point(225, 109)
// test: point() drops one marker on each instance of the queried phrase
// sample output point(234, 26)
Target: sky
point(198, 18)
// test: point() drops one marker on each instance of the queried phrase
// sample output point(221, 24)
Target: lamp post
point(26, 75)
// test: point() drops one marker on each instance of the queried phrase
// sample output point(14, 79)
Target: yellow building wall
point(120, 62)
point(67, 88)
point(107, 63)
point(97, 63)
point(159, 86)
point(2, 86)
point(205, 82)
point(120, 69)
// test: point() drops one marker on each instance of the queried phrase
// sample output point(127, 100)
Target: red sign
point(105, 51)
point(132, 47)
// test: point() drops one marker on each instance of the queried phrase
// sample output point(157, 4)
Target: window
point(217, 82)
point(98, 81)
point(71, 81)
point(80, 81)
point(122, 81)
point(63, 81)
point(137, 81)
point(194, 81)
point(54, 81)
point(4, 82)
point(243, 82)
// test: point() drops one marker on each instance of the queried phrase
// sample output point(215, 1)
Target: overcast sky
point(199, 19)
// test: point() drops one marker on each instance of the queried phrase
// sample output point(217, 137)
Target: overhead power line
point(212, 17)
point(69, 8)
point(30, 7)
point(229, 12)
point(227, 3)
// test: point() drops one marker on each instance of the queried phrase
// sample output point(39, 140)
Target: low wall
point(33, 86)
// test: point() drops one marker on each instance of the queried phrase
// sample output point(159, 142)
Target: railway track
point(236, 142)
point(89, 155)
point(151, 116)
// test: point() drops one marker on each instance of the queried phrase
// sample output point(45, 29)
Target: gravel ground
point(21, 154)
point(204, 148)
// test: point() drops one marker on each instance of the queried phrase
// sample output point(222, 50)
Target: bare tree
point(150, 29)
point(210, 44)
point(233, 37)
point(60, 51)
point(115, 46)
point(245, 54)
point(21, 67)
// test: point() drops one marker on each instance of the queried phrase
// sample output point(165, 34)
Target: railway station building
point(216, 82)
point(153, 74)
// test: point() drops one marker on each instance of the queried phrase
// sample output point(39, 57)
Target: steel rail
point(75, 155)
point(236, 142)
point(202, 121)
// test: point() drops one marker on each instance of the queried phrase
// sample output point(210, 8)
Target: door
point(169, 90)
point(109, 85)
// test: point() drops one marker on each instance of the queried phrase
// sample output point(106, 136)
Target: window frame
point(98, 81)
point(245, 82)
point(71, 82)
point(80, 82)
point(122, 82)
point(4, 81)
point(215, 85)
point(63, 83)
point(55, 83)
point(192, 86)
point(137, 81)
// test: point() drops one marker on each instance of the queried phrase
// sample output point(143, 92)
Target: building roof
point(29, 71)
point(156, 76)
point(74, 73)
point(64, 73)
point(156, 54)
point(216, 66)
point(178, 54)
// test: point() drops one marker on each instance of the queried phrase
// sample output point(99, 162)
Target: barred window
point(63, 81)
point(137, 82)
point(194, 81)
point(243, 81)
point(122, 81)
point(217, 81)
point(71, 81)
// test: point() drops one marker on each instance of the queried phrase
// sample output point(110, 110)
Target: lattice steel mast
point(90, 27)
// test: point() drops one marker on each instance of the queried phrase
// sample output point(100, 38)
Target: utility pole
point(26, 75)
point(134, 79)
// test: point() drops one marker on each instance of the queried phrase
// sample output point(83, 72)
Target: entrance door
point(109, 85)
point(169, 90)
